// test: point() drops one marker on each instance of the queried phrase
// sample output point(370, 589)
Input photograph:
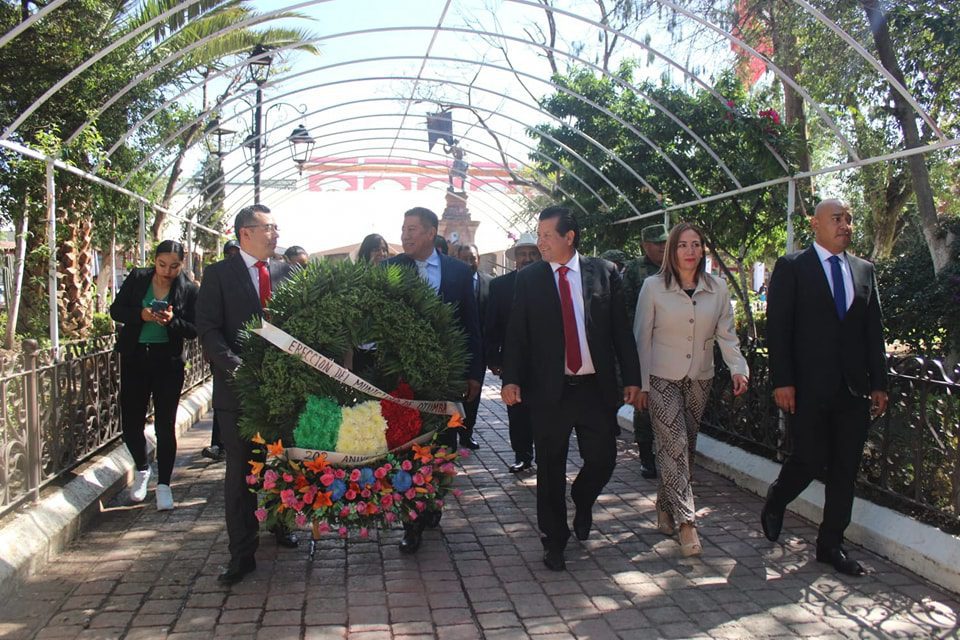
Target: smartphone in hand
point(158, 306)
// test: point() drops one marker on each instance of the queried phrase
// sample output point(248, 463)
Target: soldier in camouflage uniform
point(654, 240)
point(617, 257)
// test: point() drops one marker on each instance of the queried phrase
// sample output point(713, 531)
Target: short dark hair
point(169, 246)
point(245, 217)
point(294, 251)
point(370, 244)
point(439, 242)
point(461, 248)
point(566, 221)
point(427, 218)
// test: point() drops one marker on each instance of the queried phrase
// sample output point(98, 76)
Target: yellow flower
point(363, 430)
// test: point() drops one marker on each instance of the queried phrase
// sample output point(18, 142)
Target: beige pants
point(676, 407)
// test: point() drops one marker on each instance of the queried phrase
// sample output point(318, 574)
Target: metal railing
point(57, 412)
point(911, 460)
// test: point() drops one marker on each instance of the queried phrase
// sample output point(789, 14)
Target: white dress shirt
point(825, 256)
point(429, 270)
point(252, 269)
point(576, 292)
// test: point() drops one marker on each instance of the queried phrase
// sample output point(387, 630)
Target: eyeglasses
point(267, 227)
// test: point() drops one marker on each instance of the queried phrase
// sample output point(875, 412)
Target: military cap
point(654, 233)
point(614, 255)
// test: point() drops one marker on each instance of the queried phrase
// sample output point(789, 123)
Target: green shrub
point(102, 325)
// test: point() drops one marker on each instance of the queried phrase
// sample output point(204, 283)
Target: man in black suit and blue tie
point(453, 282)
point(828, 368)
point(568, 329)
point(234, 290)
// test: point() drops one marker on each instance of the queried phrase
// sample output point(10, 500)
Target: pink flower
point(344, 512)
point(288, 498)
point(355, 475)
point(418, 479)
point(301, 520)
point(387, 467)
point(419, 504)
point(327, 478)
point(310, 494)
point(448, 469)
point(380, 473)
point(406, 465)
point(364, 533)
point(261, 514)
point(270, 479)
point(341, 474)
point(457, 493)
point(350, 494)
point(412, 515)
point(438, 504)
point(365, 493)
point(390, 517)
point(464, 453)
point(411, 493)
point(342, 531)
point(287, 477)
point(361, 507)
point(731, 104)
point(386, 501)
point(323, 527)
point(252, 479)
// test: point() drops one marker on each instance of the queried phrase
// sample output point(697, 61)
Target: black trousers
point(521, 432)
point(239, 501)
point(828, 439)
point(581, 408)
point(643, 434)
point(470, 419)
point(151, 371)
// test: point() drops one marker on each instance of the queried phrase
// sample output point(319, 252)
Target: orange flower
point(300, 483)
point(255, 467)
point(424, 453)
point(275, 449)
point(258, 439)
point(322, 499)
point(318, 464)
point(455, 421)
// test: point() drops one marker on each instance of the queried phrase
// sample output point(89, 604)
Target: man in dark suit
point(828, 368)
point(470, 256)
point(523, 253)
point(235, 290)
point(453, 282)
point(568, 330)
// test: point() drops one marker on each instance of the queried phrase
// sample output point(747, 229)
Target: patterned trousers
point(676, 407)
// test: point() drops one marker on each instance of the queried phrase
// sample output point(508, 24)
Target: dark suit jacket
point(483, 297)
point(497, 316)
point(227, 300)
point(128, 305)
point(810, 348)
point(533, 354)
point(456, 288)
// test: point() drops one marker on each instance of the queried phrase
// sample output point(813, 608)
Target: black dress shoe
point(523, 465)
point(412, 534)
point(285, 538)
point(840, 561)
point(582, 522)
point(236, 570)
point(469, 443)
point(771, 519)
point(554, 560)
point(648, 470)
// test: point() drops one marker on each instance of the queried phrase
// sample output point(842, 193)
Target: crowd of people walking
point(573, 338)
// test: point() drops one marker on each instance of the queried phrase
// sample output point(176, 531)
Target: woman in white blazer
point(681, 313)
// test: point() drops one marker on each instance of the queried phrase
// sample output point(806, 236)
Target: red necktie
point(264, 278)
point(571, 340)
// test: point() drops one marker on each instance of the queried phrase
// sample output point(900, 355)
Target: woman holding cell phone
point(156, 307)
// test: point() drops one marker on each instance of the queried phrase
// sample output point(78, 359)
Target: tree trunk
point(886, 214)
point(75, 267)
point(104, 281)
point(175, 171)
point(937, 242)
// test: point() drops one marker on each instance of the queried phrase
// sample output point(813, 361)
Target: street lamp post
point(259, 67)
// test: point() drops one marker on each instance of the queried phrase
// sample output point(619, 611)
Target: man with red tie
point(235, 290)
point(568, 328)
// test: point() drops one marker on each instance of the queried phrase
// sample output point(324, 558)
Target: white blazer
point(675, 333)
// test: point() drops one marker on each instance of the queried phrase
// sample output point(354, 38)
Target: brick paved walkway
point(137, 573)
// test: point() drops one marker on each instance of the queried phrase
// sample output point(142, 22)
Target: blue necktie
point(839, 291)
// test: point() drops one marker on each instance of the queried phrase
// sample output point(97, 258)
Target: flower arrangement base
point(406, 485)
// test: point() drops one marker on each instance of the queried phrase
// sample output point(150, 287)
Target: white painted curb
point(33, 537)
point(916, 546)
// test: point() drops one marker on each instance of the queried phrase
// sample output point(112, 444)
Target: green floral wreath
point(335, 307)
